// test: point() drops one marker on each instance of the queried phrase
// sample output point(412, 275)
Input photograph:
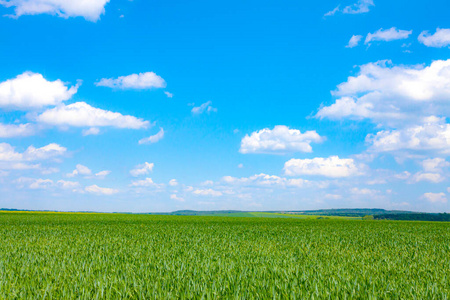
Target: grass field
point(90, 256)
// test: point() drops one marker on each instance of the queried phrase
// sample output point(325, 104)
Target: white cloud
point(391, 95)
point(95, 189)
point(102, 174)
point(41, 184)
point(435, 197)
point(8, 153)
point(362, 6)
point(154, 138)
point(240, 166)
point(80, 170)
point(173, 182)
point(264, 180)
point(332, 166)
point(441, 38)
point(280, 139)
point(332, 12)
point(33, 183)
point(364, 192)
point(147, 182)
point(90, 10)
point(434, 164)
point(143, 169)
point(140, 81)
point(431, 177)
point(205, 107)
point(64, 184)
point(91, 131)
point(207, 192)
point(169, 95)
point(12, 130)
point(354, 41)
point(433, 136)
point(32, 91)
point(81, 114)
point(387, 35)
point(175, 197)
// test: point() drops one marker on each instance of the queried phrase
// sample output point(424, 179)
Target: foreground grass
point(91, 256)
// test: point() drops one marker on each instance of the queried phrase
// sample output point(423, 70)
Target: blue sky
point(164, 105)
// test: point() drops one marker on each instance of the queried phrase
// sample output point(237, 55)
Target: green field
point(90, 256)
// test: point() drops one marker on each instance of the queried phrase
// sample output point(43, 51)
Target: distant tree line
point(414, 217)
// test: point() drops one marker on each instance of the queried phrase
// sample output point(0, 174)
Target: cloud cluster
point(32, 91)
point(430, 137)
point(81, 114)
point(95, 189)
point(143, 169)
point(205, 107)
point(387, 35)
point(91, 10)
point(139, 81)
point(264, 180)
point(362, 6)
point(387, 94)
point(9, 154)
point(441, 38)
point(332, 166)
point(280, 139)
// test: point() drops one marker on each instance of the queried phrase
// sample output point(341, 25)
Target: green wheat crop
point(119, 256)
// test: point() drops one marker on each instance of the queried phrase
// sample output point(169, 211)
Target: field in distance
point(120, 256)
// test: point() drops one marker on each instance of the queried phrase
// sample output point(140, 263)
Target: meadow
point(112, 256)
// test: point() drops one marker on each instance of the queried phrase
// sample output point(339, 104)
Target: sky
point(155, 106)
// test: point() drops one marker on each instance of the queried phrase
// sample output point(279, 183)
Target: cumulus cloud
point(85, 171)
point(332, 166)
point(81, 114)
point(354, 41)
point(433, 136)
point(33, 183)
point(139, 81)
point(207, 192)
point(91, 131)
point(392, 95)
point(173, 182)
point(154, 138)
point(90, 10)
point(32, 91)
point(80, 170)
point(387, 35)
point(177, 198)
point(9, 154)
point(430, 177)
point(264, 180)
point(95, 189)
point(147, 182)
point(435, 197)
point(143, 169)
point(205, 107)
point(169, 95)
point(68, 185)
point(280, 139)
point(19, 130)
point(435, 164)
point(362, 6)
point(441, 38)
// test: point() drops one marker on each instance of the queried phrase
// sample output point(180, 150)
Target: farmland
point(89, 256)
